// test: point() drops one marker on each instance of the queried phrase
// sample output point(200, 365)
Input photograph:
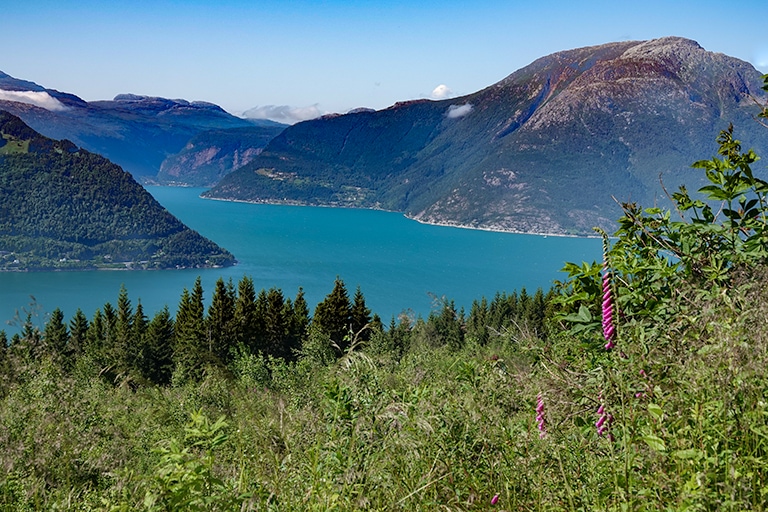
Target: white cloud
point(38, 98)
point(284, 113)
point(760, 60)
point(441, 92)
point(455, 111)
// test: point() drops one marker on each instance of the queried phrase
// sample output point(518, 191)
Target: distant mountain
point(136, 132)
point(541, 151)
point(212, 154)
point(62, 207)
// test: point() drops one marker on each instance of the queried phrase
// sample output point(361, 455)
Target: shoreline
point(426, 223)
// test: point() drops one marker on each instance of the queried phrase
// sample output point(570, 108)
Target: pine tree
point(333, 315)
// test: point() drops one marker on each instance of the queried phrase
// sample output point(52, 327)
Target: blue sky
point(333, 55)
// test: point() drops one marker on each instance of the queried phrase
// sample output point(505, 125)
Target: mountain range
point(547, 149)
point(65, 208)
point(136, 132)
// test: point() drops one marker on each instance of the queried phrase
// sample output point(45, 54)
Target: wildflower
point(609, 328)
point(495, 499)
point(540, 416)
point(603, 423)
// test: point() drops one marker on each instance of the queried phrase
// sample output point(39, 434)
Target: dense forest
point(62, 207)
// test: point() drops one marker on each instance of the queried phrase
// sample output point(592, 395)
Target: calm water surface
point(399, 264)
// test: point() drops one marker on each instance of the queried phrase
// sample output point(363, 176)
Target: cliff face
point(211, 155)
point(541, 151)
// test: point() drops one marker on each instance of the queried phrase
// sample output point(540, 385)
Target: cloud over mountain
point(441, 92)
point(37, 98)
point(284, 113)
point(455, 111)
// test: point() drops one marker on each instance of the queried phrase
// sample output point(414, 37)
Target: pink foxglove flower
point(495, 499)
point(603, 423)
point(540, 419)
point(609, 327)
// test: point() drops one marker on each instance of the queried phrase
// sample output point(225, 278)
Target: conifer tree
point(95, 338)
point(78, 335)
point(220, 323)
point(300, 313)
point(123, 334)
point(245, 314)
point(191, 347)
point(360, 317)
point(276, 325)
point(139, 326)
point(333, 315)
point(477, 323)
point(55, 335)
point(155, 359)
point(110, 326)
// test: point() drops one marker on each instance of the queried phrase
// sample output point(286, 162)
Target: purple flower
point(495, 499)
point(603, 423)
point(609, 327)
point(540, 419)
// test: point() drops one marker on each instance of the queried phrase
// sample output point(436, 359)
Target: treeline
point(125, 346)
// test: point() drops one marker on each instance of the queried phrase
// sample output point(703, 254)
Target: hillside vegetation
point(64, 208)
point(638, 383)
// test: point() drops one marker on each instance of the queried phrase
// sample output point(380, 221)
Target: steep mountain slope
point(136, 132)
point(212, 154)
point(62, 207)
point(541, 151)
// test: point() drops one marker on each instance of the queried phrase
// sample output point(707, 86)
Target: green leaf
point(654, 443)
point(656, 411)
point(690, 453)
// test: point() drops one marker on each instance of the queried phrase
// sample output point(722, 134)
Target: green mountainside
point(541, 151)
point(212, 154)
point(62, 207)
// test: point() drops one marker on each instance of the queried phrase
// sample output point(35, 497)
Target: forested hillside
point(62, 207)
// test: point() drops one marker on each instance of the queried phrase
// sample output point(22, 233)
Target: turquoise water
point(400, 265)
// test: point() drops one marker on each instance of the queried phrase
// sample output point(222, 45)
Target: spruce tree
point(276, 325)
point(55, 335)
point(245, 314)
point(333, 315)
point(191, 346)
point(220, 323)
point(360, 317)
point(123, 334)
point(78, 335)
point(155, 360)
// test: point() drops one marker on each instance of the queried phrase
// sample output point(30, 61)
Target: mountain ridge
point(602, 120)
point(135, 131)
